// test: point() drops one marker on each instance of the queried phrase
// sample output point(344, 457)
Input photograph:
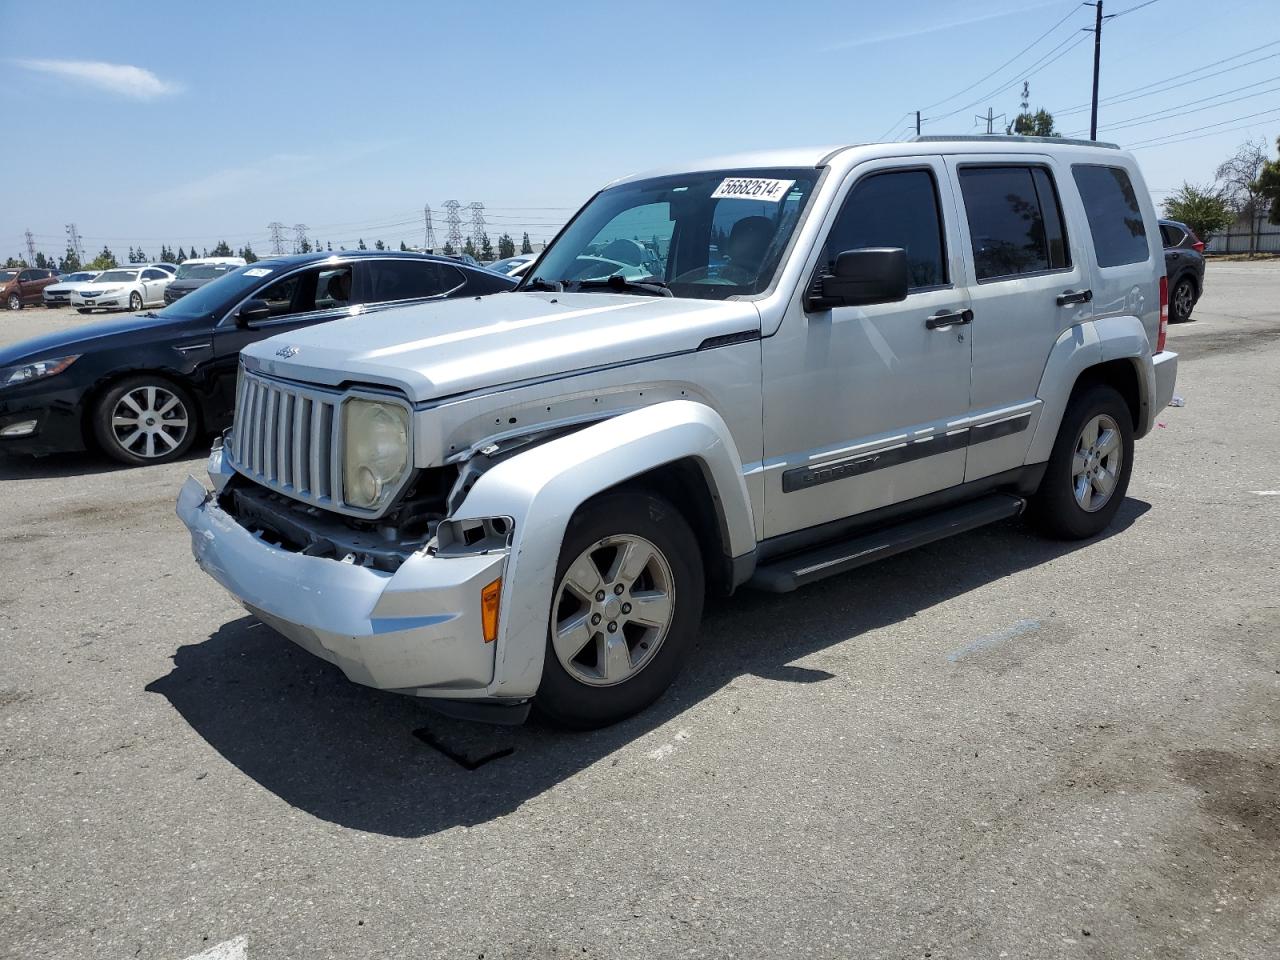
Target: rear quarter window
point(1115, 219)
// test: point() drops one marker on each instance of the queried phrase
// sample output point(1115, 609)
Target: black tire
point(14, 302)
point(567, 699)
point(135, 301)
point(1055, 508)
point(83, 310)
point(1182, 300)
point(112, 440)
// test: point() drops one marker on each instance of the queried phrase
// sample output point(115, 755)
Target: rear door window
point(1015, 221)
point(391, 280)
point(1115, 219)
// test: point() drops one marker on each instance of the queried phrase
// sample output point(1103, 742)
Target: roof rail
point(1012, 138)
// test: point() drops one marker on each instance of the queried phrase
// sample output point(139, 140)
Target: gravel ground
point(995, 746)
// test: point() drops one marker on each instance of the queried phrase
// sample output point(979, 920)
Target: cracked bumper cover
point(416, 631)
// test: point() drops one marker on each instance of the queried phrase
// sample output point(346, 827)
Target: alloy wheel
point(1096, 464)
point(1182, 300)
point(135, 301)
point(613, 608)
point(150, 421)
point(14, 302)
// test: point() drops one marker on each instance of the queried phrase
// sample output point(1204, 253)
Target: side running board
point(798, 569)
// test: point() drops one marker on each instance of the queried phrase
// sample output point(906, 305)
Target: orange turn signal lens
point(489, 598)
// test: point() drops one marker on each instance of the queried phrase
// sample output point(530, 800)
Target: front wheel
point(135, 302)
point(1088, 472)
point(626, 609)
point(83, 310)
point(14, 302)
point(145, 419)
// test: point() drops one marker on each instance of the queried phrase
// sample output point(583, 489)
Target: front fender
point(1083, 346)
point(541, 488)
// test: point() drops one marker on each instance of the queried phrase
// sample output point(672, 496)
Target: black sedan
point(143, 388)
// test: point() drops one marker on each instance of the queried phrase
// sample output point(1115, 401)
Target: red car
point(23, 286)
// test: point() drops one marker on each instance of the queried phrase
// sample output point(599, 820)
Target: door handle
point(1069, 297)
point(949, 318)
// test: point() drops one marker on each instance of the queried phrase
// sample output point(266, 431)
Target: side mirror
point(253, 311)
point(861, 277)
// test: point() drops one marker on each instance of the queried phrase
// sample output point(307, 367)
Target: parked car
point(523, 498)
point(196, 273)
point(59, 294)
point(24, 286)
point(167, 267)
point(510, 264)
point(1184, 266)
point(143, 388)
point(122, 288)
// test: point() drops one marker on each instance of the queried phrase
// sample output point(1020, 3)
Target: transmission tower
point(990, 119)
point(429, 236)
point(453, 222)
point(277, 237)
point(299, 237)
point(73, 242)
point(477, 222)
point(31, 249)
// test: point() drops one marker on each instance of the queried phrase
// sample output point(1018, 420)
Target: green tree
point(41, 260)
point(379, 245)
point(1240, 182)
point(486, 248)
point(403, 248)
point(247, 252)
point(304, 246)
point(1028, 124)
point(1269, 185)
point(506, 247)
point(469, 248)
point(360, 245)
point(223, 249)
point(182, 255)
point(70, 262)
point(106, 260)
point(1204, 210)
point(525, 245)
point(448, 250)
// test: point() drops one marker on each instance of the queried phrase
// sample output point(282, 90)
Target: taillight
point(1164, 314)
point(1198, 244)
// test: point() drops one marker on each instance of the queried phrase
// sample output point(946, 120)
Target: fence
point(1237, 238)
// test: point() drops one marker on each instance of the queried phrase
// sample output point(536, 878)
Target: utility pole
point(31, 249)
point(429, 236)
point(917, 123)
point(1097, 63)
point(73, 242)
point(277, 237)
point(990, 119)
point(453, 224)
point(299, 237)
point(477, 223)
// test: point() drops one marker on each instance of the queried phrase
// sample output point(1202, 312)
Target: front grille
point(286, 438)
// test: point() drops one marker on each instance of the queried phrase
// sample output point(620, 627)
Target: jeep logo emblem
point(286, 352)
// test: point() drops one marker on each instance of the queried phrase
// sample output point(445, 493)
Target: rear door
point(1028, 282)
point(153, 283)
point(395, 281)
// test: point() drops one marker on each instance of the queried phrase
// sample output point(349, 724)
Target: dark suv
point(1184, 266)
point(24, 286)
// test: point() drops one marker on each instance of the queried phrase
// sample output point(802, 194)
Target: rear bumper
point(416, 631)
point(1166, 374)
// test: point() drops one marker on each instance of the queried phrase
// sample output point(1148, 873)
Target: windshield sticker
point(258, 272)
point(752, 188)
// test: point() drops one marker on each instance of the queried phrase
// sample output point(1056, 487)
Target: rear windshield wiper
point(650, 285)
point(537, 283)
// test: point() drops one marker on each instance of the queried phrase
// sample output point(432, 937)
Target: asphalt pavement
point(996, 746)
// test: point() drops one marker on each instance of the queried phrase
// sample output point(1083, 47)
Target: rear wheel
point(626, 609)
point(1088, 472)
point(145, 419)
point(1181, 300)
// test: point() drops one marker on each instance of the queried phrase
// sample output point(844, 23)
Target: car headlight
point(108, 293)
point(23, 372)
point(376, 451)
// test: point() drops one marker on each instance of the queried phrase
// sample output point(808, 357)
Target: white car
point(59, 294)
point(125, 288)
point(509, 266)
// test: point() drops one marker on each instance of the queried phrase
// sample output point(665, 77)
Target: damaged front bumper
point(417, 630)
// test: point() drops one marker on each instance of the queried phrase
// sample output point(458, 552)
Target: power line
point(1070, 44)
point(1173, 113)
point(1132, 9)
point(1187, 103)
point(1153, 141)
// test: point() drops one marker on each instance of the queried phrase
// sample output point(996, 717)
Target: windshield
point(79, 277)
point(203, 271)
point(216, 297)
point(118, 276)
point(707, 236)
point(7, 275)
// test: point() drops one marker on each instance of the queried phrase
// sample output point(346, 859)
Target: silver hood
point(443, 349)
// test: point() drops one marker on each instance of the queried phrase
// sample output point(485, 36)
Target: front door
point(862, 404)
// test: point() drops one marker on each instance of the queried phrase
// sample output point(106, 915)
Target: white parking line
point(234, 949)
point(1266, 493)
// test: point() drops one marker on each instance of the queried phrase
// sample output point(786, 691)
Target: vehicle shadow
point(386, 764)
point(81, 464)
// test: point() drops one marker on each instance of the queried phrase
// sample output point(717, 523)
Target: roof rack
point(1012, 138)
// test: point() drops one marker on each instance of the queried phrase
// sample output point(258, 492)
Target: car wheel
point(145, 419)
point(1088, 472)
point(1181, 301)
point(14, 302)
point(135, 302)
point(83, 310)
point(626, 608)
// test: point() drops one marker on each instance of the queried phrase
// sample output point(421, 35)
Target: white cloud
point(936, 26)
point(118, 78)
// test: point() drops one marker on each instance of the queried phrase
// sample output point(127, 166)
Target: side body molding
point(542, 487)
point(1078, 348)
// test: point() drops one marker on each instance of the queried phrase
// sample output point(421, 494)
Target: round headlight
point(376, 451)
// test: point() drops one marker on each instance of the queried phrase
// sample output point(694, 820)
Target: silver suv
point(761, 371)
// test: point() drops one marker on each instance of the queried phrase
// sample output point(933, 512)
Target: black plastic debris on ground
point(467, 759)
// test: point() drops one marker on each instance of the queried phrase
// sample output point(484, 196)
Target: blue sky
point(210, 121)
